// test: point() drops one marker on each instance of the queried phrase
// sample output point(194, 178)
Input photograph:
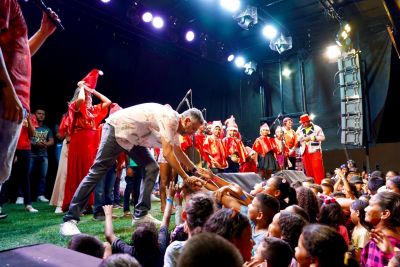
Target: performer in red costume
point(310, 137)
point(234, 148)
point(214, 149)
point(290, 141)
point(283, 151)
point(85, 120)
point(266, 148)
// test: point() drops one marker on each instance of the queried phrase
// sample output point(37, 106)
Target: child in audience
point(331, 214)
point(233, 226)
point(383, 212)
point(309, 202)
point(198, 208)
point(209, 250)
point(274, 251)
point(148, 245)
point(320, 246)
point(261, 211)
point(119, 260)
point(89, 245)
point(360, 235)
point(287, 226)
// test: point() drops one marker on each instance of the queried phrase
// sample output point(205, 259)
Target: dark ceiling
point(311, 23)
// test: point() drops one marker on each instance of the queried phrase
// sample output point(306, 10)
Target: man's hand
point(12, 106)
point(108, 210)
point(47, 27)
point(171, 190)
point(205, 173)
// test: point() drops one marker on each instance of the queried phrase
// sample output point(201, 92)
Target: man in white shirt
point(134, 130)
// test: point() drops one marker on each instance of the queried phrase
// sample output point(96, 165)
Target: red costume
point(265, 144)
point(85, 138)
point(214, 149)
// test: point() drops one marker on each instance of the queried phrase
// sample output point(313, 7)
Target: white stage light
point(230, 5)
point(158, 22)
point(147, 17)
point(231, 57)
point(312, 116)
point(286, 72)
point(270, 32)
point(189, 36)
point(239, 62)
point(106, 1)
point(333, 52)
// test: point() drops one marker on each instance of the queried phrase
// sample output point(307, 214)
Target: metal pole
point(303, 85)
point(281, 85)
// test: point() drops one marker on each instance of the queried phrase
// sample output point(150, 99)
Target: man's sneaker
point(99, 216)
point(42, 199)
point(30, 209)
point(154, 198)
point(117, 206)
point(58, 210)
point(145, 218)
point(69, 228)
point(3, 215)
point(20, 201)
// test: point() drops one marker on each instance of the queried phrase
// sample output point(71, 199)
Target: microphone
point(44, 8)
point(204, 110)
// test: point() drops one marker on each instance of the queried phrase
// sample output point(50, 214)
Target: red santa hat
point(264, 127)
point(231, 124)
point(304, 118)
point(216, 124)
point(249, 151)
point(91, 79)
point(114, 107)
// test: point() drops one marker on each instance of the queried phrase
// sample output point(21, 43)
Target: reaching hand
point(170, 190)
point(205, 173)
point(195, 183)
point(108, 210)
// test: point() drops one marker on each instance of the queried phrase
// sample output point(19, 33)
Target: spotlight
point(230, 5)
point(239, 62)
point(312, 116)
point(270, 32)
point(231, 57)
point(250, 67)
point(281, 44)
point(147, 17)
point(158, 22)
point(286, 72)
point(189, 36)
point(333, 52)
point(106, 1)
point(247, 18)
point(343, 37)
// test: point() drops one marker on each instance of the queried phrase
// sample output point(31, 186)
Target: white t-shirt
point(144, 124)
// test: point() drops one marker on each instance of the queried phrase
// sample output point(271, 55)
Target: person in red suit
point(234, 148)
point(310, 137)
point(266, 148)
point(290, 141)
point(85, 120)
point(214, 149)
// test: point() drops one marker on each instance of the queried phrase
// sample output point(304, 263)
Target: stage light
point(270, 32)
point(250, 67)
point(158, 22)
point(239, 62)
point(343, 37)
point(281, 44)
point(231, 57)
point(286, 72)
point(147, 17)
point(106, 1)
point(230, 5)
point(189, 36)
point(312, 116)
point(333, 52)
point(247, 18)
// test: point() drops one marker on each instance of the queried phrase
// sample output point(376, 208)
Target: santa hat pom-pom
point(101, 73)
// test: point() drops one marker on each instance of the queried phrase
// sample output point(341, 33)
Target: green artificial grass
point(23, 228)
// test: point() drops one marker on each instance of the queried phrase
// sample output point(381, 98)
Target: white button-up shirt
point(144, 125)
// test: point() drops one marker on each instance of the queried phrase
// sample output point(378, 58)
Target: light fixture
point(333, 52)
point(286, 72)
point(239, 62)
point(158, 22)
point(247, 18)
point(250, 67)
point(230, 5)
point(147, 17)
point(343, 37)
point(270, 32)
point(231, 57)
point(106, 1)
point(189, 36)
point(281, 44)
point(312, 116)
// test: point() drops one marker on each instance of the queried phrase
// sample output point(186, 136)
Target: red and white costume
point(214, 149)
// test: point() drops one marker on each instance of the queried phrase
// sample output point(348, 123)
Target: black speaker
point(246, 180)
point(292, 176)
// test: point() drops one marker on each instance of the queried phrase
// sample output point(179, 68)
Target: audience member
point(274, 251)
point(87, 244)
point(120, 260)
point(360, 234)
